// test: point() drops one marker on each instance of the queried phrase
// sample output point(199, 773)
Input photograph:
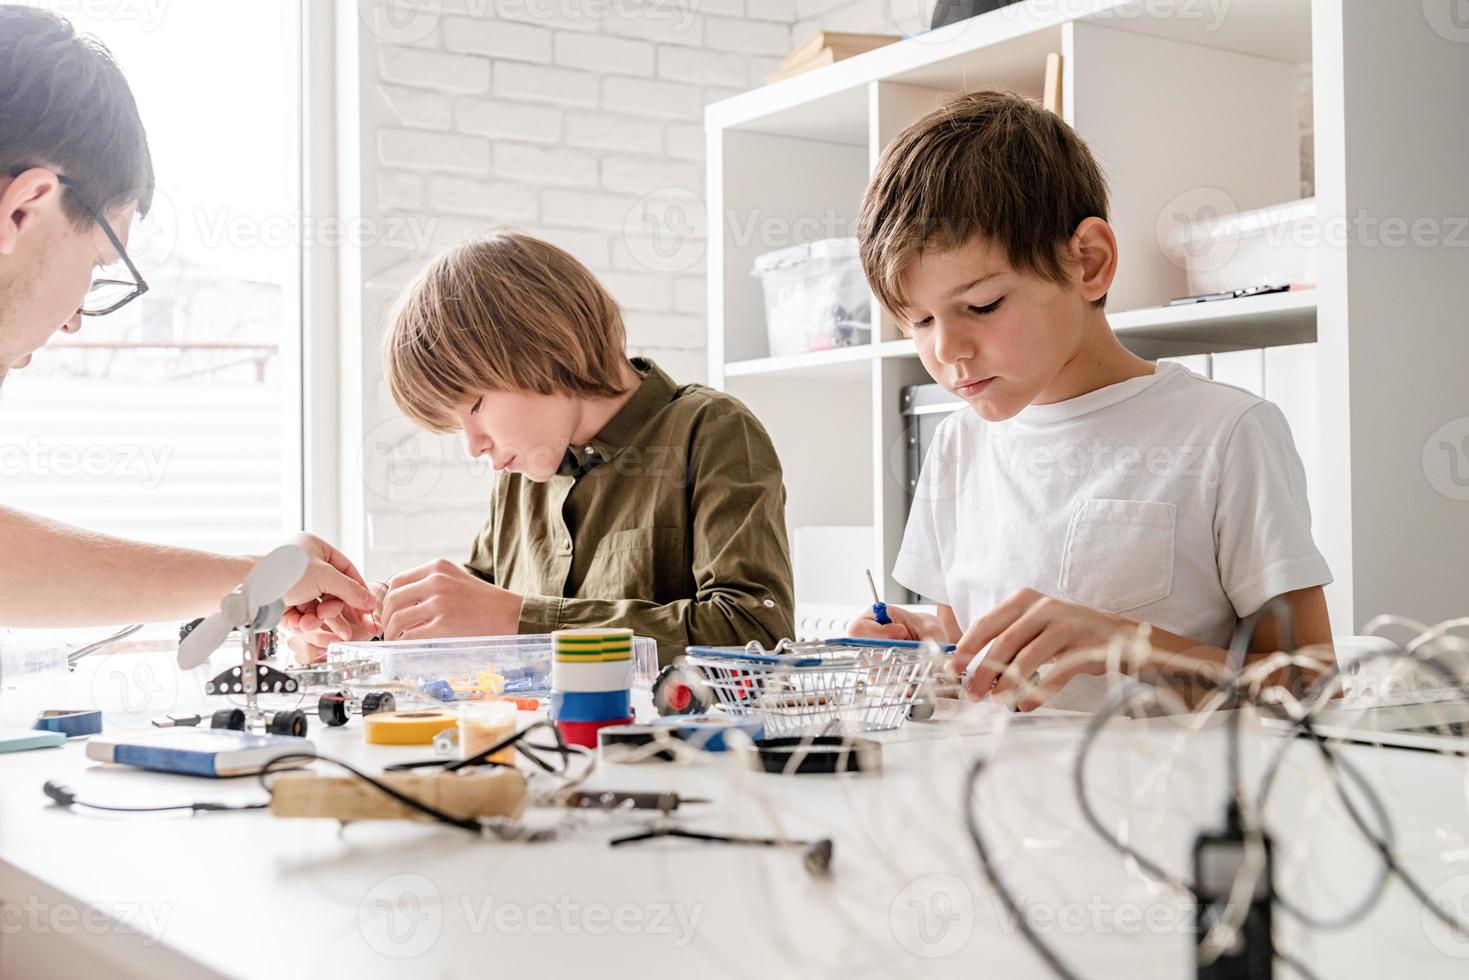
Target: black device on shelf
point(924, 407)
point(952, 11)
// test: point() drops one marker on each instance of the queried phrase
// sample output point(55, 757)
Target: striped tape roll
point(590, 705)
point(599, 675)
point(591, 646)
point(584, 733)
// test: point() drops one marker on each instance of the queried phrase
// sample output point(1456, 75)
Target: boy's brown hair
point(985, 163)
point(503, 313)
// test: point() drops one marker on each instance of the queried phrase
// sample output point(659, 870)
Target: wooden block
point(480, 792)
point(1052, 97)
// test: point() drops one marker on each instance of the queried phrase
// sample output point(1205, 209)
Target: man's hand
point(330, 603)
point(329, 575)
point(1027, 630)
point(442, 599)
point(905, 625)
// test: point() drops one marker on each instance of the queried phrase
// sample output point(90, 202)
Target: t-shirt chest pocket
point(1119, 553)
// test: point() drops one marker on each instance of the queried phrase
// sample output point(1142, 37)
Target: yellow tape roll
point(407, 727)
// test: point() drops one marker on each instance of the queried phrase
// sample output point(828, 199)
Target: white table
point(248, 895)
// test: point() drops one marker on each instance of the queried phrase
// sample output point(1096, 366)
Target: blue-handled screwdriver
point(879, 608)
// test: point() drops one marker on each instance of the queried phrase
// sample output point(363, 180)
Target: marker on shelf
point(879, 608)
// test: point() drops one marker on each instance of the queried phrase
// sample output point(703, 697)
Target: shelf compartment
point(1272, 320)
point(835, 364)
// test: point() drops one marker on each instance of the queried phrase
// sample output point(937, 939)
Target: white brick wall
point(556, 117)
point(860, 16)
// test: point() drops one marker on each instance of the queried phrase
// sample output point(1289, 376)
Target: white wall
point(898, 17)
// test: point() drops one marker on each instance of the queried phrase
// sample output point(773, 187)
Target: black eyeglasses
point(108, 292)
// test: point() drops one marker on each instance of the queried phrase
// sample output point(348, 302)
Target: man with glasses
point(74, 172)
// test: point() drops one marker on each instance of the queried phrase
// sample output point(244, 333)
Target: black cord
point(1374, 893)
point(1384, 848)
point(480, 758)
point(1121, 698)
point(527, 749)
point(63, 796)
point(411, 802)
point(1115, 702)
point(1239, 651)
point(1381, 843)
point(1295, 964)
point(1012, 906)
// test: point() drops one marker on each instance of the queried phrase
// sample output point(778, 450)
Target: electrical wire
point(1239, 695)
point(63, 796)
point(1002, 891)
point(517, 740)
point(412, 802)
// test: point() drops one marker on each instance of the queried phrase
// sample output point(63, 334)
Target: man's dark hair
point(65, 104)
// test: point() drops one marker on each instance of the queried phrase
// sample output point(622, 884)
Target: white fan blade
point(203, 640)
point(274, 575)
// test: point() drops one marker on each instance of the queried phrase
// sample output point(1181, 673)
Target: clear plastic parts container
point(816, 297)
point(483, 724)
point(457, 668)
point(31, 657)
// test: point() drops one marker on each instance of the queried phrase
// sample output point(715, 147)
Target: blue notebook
point(197, 751)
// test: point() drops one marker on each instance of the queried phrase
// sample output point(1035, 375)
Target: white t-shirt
point(1171, 499)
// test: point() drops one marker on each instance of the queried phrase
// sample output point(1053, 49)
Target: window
point(178, 418)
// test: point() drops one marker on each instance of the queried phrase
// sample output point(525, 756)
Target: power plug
point(1218, 859)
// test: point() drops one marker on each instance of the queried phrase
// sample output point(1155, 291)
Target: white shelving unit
point(1172, 104)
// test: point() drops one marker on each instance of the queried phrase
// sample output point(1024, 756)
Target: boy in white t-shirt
point(1085, 492)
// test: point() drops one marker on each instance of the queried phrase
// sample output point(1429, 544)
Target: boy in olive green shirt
point(622, 499)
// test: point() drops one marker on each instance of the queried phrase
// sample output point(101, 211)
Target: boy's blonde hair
point(987, 163)
point(503, 313)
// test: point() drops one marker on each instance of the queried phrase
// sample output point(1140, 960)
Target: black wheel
point(379, 701)
point(677, 691)
point(288, 723)
point(331, 708)
point(228, 718)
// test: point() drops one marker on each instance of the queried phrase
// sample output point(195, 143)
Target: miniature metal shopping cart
point(822, 687)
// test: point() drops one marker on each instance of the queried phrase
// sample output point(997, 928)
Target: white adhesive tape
point(613, 675)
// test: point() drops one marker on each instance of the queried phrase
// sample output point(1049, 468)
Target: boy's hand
point(317, 624)
point(443, 599)
point(1025, 631)
point(905, 625)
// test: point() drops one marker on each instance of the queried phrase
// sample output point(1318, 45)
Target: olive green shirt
point(671, 522)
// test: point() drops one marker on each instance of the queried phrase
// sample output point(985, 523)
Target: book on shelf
point(826, 48)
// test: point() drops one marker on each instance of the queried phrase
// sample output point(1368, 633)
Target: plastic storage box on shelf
point(1274, 246)
point(523, 662)
point(816, 297)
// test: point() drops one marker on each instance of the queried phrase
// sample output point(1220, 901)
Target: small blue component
point(439, 690)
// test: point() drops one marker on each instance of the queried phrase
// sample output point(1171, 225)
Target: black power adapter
point(1219, 859)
